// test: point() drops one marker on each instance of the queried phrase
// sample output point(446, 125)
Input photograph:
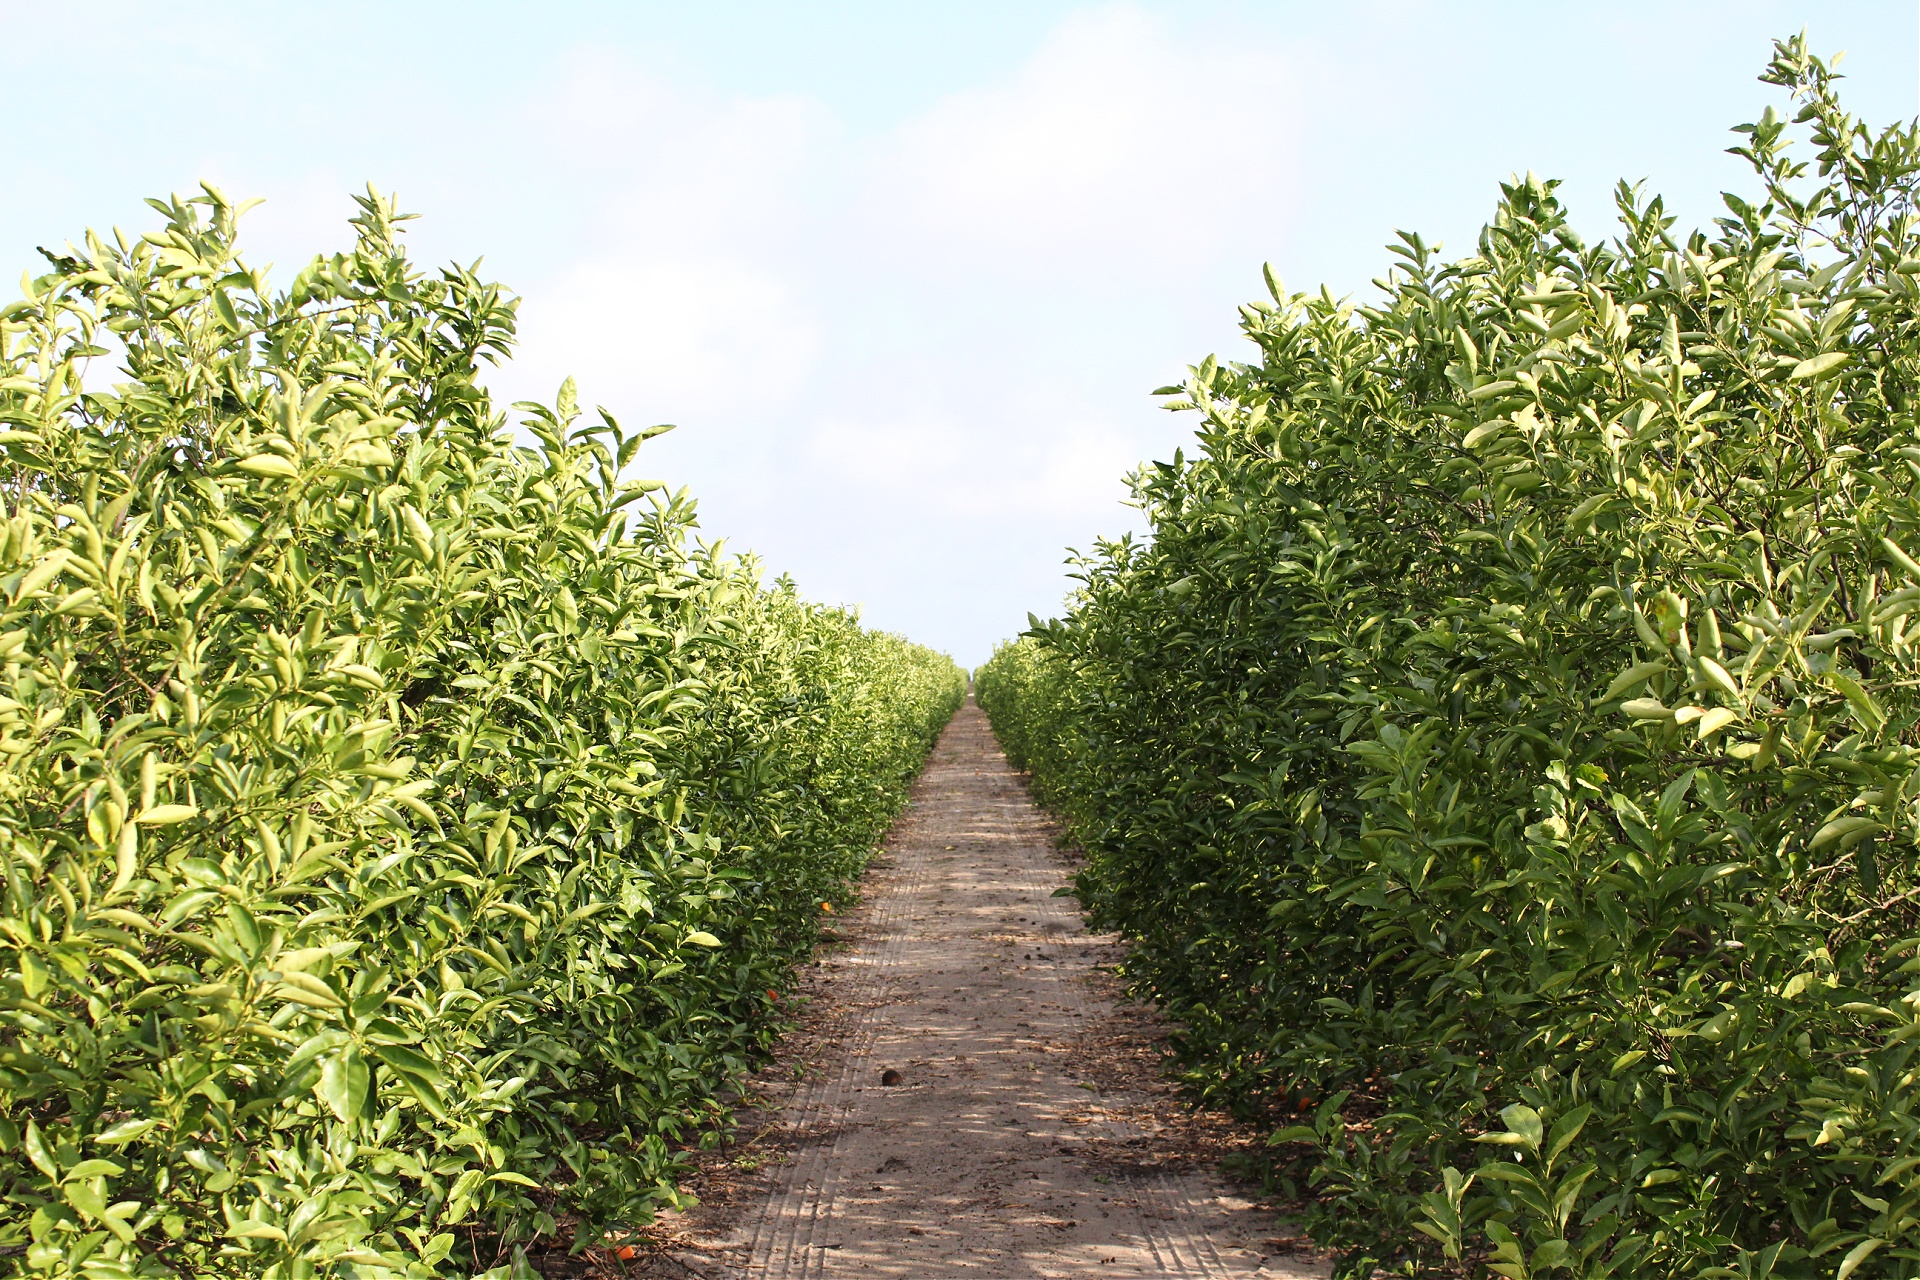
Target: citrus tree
point(407, 825)
point(1502, 753)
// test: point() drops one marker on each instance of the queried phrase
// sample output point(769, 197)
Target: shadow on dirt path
point(974, 1106)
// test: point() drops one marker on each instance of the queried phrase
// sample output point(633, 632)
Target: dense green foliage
point(402, 826)
point(1502, 754)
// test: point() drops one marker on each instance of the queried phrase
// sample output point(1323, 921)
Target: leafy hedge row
point(404, 824)
point(1502, 754)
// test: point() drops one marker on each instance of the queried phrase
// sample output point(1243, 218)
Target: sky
point(904, 275)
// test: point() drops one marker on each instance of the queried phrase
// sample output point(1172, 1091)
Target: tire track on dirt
point(988, 1157)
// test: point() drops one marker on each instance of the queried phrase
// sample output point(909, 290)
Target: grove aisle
point(991, 1155)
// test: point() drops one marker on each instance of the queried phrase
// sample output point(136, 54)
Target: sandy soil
point(964, 1096)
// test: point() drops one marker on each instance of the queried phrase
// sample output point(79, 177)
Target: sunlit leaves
point(402, 823)
point(1510, 727)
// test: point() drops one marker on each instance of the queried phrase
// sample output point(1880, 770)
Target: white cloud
point(650, 163)
point(1115, 147)
point(909, 337)
point(667, 335)
point(929, 343)
point(1084, 469)
point(676, 297)
point(892, 454)
point(1043, 470)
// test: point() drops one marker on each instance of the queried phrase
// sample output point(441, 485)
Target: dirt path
point(998, 1152)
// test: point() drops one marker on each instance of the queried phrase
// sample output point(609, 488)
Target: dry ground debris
point(965, 1094)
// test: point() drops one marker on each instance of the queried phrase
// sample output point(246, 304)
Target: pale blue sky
point(903, 273)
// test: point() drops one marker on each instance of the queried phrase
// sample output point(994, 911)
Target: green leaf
point(1713, 721)
point(162, 815)
point(1857, 1255)
point(1638, 673)
point(86, 1198)
point(405, 1060)
point(269, 465)
point(306, 989)
point(343, 1082)
point(252, 1229)
point(125, 1131)
point(38, 1153)
point(1904, 562)
point(1482, 433)
point(1717, 676)
point(1523, 1122)
point(1566, 1129)
point(33, 974)
point(1863, 704)
point(95, 1169)
point(1845, 831)
point(1819, 365)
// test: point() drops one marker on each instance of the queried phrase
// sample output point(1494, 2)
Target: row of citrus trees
point(407, 829)
point(1502, 754)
